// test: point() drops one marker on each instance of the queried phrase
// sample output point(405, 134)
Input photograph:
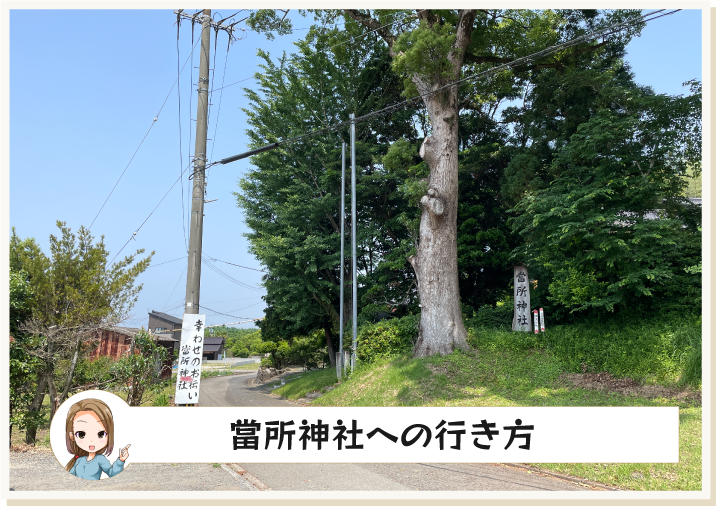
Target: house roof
point(210, 348)
point(125, 331)
point(213, 340)
point(167, 337)
point(166, 317)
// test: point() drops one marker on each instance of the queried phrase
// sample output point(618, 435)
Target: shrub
point(161, 400)
point(499, 317)
point(308, 351)
point(241, 352)
point(686, 351)
point(501, 339)
point(663, 348)
point(87, 372)
point(387, 338)
point(279, 354)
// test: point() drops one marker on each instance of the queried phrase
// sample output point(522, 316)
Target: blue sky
point(82, 100)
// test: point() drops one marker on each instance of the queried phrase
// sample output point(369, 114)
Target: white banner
point(189, 363)
point(377, 434)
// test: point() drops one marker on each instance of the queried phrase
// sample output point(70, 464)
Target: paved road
point(239, 391)
point(236, 390)
point(41, 471)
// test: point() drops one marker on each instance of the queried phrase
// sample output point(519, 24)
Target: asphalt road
point(40, 471)
point(236, 390)
point(239, 391)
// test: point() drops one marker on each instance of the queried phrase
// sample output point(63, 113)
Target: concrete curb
point(247, 480)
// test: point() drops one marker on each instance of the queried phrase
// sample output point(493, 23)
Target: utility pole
point(342, 366)
point(354, 217)
point(193, 274)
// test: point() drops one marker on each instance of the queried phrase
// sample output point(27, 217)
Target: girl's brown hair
point(104, 414)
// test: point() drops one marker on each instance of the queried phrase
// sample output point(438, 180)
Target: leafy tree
point(292, 198)
point(308, 351)
point(613, 229)
point(23, 367)
point(75, 292)
point(430, 51)
point(142, 368)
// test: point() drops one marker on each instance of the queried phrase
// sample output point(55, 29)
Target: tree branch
point(374, 25)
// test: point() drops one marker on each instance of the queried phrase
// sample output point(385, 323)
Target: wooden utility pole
point(193, 274)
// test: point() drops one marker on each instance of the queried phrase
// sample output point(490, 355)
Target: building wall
point(111, 344)
point(155, 322)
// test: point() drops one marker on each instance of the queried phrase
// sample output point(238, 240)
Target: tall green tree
point(23, 366)
point(291, 199)
point(431, 51)
point(75, 292)
point(612, 228)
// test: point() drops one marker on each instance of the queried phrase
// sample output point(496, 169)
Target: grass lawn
point(530, 377)
point(300, 385)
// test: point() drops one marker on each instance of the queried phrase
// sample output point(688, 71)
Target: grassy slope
point(508, 378)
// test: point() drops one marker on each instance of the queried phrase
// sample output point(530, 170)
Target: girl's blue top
point(92, 470)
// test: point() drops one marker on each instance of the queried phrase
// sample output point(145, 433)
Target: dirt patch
point(25, 448)
point(627, 386)
point(437, 369)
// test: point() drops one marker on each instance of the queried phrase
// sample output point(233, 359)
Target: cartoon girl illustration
point(89, 430)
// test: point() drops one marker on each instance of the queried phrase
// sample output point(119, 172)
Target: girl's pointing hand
point(123, 453)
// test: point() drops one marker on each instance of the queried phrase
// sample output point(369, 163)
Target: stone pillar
point(522, 319)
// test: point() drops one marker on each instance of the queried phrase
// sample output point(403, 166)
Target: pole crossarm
point(199, 18)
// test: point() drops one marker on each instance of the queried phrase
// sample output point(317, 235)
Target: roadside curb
point(247, 480)
point(578, 481)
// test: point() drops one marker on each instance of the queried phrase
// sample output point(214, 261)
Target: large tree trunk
point(329, 344)
point(71, 372)
point(435, 264)
point(54, 397)
point(441, 326)
point(35, 406)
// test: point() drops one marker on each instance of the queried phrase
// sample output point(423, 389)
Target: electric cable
point(150, 214)
point(217, 312)
point(229, 263)
point(167, 262)
point(604, 32)
point(156, 117)
point(229, 278)
point(181, 154)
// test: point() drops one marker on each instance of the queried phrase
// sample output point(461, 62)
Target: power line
point(352, 39)
point(246, 307)
point(223, 314)
point(156, 117)
point(229, 278)
point(379, 28)
point(232, 300)
point(236, 265)
point(181, 154)
point(167, 262)
point(233, 323)
point(609, 30)
point(218, 113)
point(155, 208)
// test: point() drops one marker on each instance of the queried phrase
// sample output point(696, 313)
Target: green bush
point(665, 349)
point(87, 372)
point(279, 354)
point(308, 351)
point(241, 352)
point(387, 337)
point(686, 351)
point(500, 339)
point(499, 317)
point(161, 400)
